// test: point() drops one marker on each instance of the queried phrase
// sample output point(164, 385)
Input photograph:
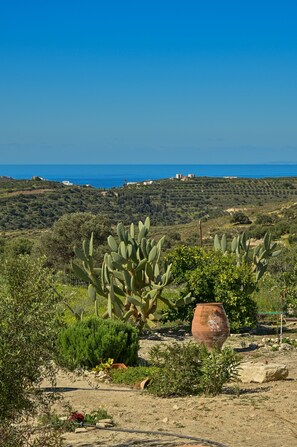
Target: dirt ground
point(260, 415)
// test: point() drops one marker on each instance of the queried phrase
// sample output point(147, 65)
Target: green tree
point(210, 276)
point(18, 246)
point(69, 231)
point(28, 332)
point(240, 218)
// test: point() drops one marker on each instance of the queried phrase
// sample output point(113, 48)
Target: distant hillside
point(30, 204)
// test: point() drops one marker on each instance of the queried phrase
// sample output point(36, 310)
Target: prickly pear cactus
point(130, 279)
point(258, 257)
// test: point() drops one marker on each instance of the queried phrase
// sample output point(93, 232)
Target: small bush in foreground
point(90, 342)
point(189, 369)
point(131, 376)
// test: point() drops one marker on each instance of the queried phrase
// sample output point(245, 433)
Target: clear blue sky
point(148, 81)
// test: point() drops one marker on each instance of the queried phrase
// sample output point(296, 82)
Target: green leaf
point(92, 292)
point(112, 243)
point(152, 254)
point(81, 274)
point(216, 243)
point(91, 245)
point(134, 301)
point(141, 265)
point(224, 243)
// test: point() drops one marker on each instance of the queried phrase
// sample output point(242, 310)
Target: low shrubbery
point(183, 369)
point(92, 341)
point(187, 369)
point(131, 376)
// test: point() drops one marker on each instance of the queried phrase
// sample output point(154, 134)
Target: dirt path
point(262, 415)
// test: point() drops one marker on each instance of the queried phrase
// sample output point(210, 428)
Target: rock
point(165, 420)
point(106, 421)
point(285, 347)
point(80, 430)
point(144, 383)
point(259, 373)
point(103, 425)
point(175, 407)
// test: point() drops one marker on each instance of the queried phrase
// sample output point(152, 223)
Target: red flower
point(77, 417)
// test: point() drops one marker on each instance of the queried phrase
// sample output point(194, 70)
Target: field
point(35, 204)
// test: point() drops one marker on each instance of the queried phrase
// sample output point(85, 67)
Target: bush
point(28, 331)
point(239, 218)
point(210, 276)
point(132, 375)
point(92, 341)
point(187, 369)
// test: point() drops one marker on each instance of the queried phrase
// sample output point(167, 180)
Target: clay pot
point(210, 325)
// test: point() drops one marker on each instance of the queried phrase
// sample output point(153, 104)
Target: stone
point(80, 430)
point(165, 420)
point(285, 347)
point(103, 425)
point(106, 421)
point(260, 373)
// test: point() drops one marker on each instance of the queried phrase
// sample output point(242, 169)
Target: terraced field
point(35, 204)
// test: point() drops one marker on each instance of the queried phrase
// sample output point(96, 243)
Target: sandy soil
point(261, 415)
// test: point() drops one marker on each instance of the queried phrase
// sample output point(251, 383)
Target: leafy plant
point(103, 366)
point(218, 368)
point(257, 257)
point(28, 330)
point(92, 341)
point(187, 369)
point(210, 276)
point(131, 375)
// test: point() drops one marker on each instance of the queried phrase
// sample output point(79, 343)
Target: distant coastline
point(109, 176)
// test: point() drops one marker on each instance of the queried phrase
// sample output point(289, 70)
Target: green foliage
point(73, 420)
point(132, 375)
point(104, 366)
point(239, 218)
point(187, 369)
point(90, 342)
point(130, 278)
point(34, 204)
point(240, 246)
point(69, 231)
point(211, 276)
point(265, 219)
point(28, 331)
point(18, 246)
point(217, 369)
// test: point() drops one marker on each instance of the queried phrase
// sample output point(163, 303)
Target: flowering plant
point(76, 417)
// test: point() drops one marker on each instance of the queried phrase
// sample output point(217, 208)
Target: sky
point(148, 81)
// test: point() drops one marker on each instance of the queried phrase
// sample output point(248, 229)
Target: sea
point(109, 176)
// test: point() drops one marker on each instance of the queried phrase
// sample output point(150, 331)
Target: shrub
point(28, 331)
point(211, 276)
point(92, 341)
point(187, 369)
point(240, 218)
point(132, 375)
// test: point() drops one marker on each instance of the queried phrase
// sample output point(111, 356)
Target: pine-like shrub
point(90, 342)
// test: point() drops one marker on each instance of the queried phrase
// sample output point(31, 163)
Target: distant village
point(181, 177)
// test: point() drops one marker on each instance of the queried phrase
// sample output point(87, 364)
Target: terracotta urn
point(210, 325)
